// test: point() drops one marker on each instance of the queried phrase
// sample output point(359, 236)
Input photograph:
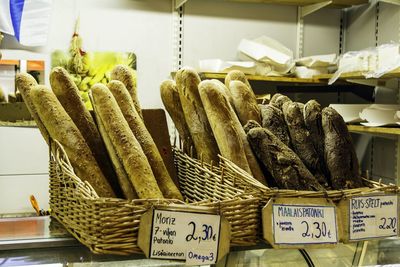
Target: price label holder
point(368, 217)
point(196, 235)
point(300, 223)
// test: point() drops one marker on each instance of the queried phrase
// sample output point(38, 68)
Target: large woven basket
point(110, 225)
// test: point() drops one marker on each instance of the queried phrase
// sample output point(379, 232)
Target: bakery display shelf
point(358, 75)
point(374, 130)
point(269, 79)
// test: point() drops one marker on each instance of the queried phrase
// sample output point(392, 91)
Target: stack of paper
point(307, 67)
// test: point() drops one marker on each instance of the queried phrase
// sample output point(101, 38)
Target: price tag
point(186, 236)
point(304, 224)
point(373, 217)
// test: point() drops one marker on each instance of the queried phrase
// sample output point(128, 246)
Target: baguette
point(187, 81)
point(136, 124)
point(340, 155)
point(245, 102)
point(25, 82)
point(61, 128)
point(301, 140)
point(127, 76)
point(68, 95)
point(236, 75)
point(273, 120)
point(123, 179)
point(285, 166)
point(126, 145)
point(280, 101)
point(172, 103)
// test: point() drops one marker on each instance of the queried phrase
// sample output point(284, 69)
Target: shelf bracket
point(309, 9)
point(393, 2)
point(179, 3)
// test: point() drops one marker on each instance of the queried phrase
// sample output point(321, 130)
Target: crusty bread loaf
point(236, 75)
point(136, 124)
point(340, 155)
point(313, 121)
point(273, 120)
point(285, 166)
point(125, 74)
point(25, 82)
point(126, 145)
point(187, 81)
point(279, 101)
point(68, 95)
point(245, 102)
point(273, 98)
point(219, 115)
point(123, 179)
point(172, 103)
point(301, 140)
point(61, 128)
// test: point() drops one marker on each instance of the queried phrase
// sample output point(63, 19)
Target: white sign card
point(304, 224)
point(373, 217)
point(189, 236)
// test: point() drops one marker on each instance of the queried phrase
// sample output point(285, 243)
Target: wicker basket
point(110, 225)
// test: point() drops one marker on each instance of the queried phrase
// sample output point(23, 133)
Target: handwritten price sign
point(186, 236)
point(373, 217)
point(304, 224)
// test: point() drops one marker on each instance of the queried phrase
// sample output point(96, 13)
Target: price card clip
point(197, 235)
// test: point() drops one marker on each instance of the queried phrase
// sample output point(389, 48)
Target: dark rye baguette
point(301, 140)
point(285, 166)
point(313, 121)
point(244, 102)
point(126, 145)
point(125, 75)
point(25, 82)
point(187, 81)
point(136, 124)
point(229, 133)
point(273, 120)
point(68, 95)
point(340, 155)
point(61, 128)
point(172, 103)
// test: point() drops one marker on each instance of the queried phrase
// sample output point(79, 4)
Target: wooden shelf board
point(359, 75)
point(213, 75)
point(374, 130)
point(335, 3)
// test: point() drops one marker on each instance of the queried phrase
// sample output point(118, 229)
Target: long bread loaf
point(219, 115)
point(301, 140)
point(25, 82)
point(61, 128)
point(340, 155)
point(68, 95)
point(279, 101)
point(273, 120)
point(172, 103)
point(245, 102)
point(285, 166)
point(236, 75)
point(126, 145)
point(136, 124)
point(187, 81)
point(126, 75)
point(123, 179)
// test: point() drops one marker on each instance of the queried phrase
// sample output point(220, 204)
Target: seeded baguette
point(125, 75)
point(279, 101)
point(123, 179)
point(340, 155)
point(25, 82)
point(245, 102)
point(68, 95)
point(61, 128)
point(187, 81)
point(172, 103)
point(136, 124)
point(126, 145)
point(273, 120)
